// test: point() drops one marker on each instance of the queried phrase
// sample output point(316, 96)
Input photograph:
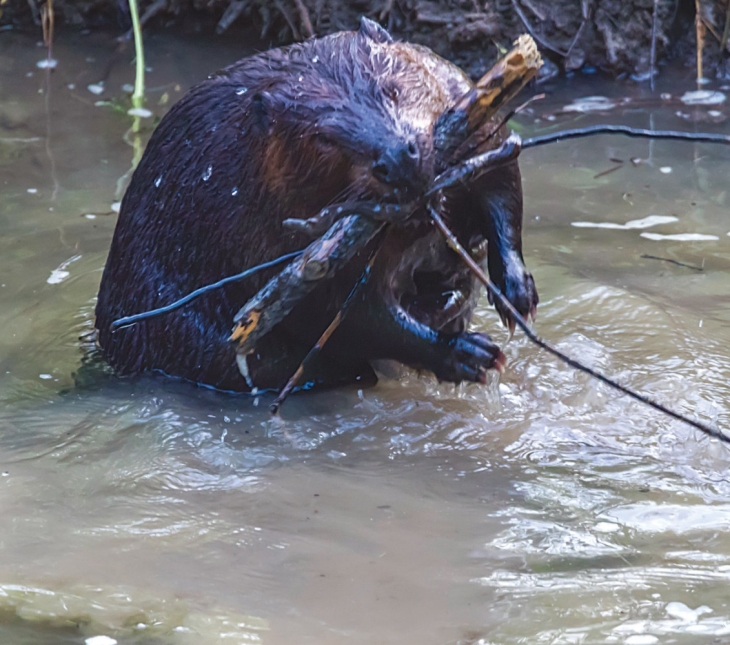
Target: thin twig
point(652, 63)
point(326, 334)
point(671, 261)
point(131, 320)
point(523, 325)
point(289, 21)
point(726, 31)
point(533, 33)
point(385, 11)
point(700, 34)
point(627, 131)
point(586, 12)
point(304, 18)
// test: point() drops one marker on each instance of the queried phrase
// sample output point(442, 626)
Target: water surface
point(541, 509)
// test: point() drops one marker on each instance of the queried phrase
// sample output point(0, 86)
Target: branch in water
point(522, 324)
point(640, 133)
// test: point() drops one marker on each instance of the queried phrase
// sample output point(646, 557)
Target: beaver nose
point(399, 166)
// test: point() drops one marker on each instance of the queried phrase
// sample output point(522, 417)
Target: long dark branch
point(126, 321)
point(641, 133)
point(522, 324)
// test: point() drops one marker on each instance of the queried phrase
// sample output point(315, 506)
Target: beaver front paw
point(471, 355)
point(519, 288)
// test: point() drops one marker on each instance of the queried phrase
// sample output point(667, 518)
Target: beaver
point(281, 135)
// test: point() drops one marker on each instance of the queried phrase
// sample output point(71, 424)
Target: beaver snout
point(399, 167)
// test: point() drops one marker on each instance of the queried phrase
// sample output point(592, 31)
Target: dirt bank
point(613, 36)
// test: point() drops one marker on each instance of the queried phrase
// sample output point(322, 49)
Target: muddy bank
point(612, 36)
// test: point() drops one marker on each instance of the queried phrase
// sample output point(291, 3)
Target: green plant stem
point(138, 95)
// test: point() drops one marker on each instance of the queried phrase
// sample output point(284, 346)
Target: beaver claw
point(519, 289)
point(472, 354)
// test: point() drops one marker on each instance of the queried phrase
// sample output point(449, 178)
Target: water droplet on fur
point(158, 181)
point(241, 91)
point(234, 192)
point(208, 172)
point(315, 59)
point(301, 78)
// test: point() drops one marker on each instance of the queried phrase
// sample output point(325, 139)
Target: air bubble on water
point(241, 91)
point(681, 237)
point(208, 172)
point(100, 640)
point(703, 97)
point(141, 112)
point(641, 639)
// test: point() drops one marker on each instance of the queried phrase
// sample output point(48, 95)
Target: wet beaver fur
point(280, 135)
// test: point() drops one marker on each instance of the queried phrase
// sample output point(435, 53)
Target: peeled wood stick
point(482, 102)
point(321, 260)
point(522, 324)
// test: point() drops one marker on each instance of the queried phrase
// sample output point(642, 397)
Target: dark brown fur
point(281, 135)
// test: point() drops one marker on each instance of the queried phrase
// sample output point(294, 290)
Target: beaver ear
point(264, 109)
point(372, 30)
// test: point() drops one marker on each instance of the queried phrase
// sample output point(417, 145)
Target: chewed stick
point(483, 101)
point(522, 324)
point(321, 260)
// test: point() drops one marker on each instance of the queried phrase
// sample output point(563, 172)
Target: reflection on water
point(542, 509)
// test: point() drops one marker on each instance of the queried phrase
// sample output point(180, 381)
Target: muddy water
point(542, 509)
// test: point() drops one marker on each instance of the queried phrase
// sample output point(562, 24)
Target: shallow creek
point(540, 509)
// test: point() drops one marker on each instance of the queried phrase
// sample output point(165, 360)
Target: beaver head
point(351, 117)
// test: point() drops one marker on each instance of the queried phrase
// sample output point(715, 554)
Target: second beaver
point(280, 135)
